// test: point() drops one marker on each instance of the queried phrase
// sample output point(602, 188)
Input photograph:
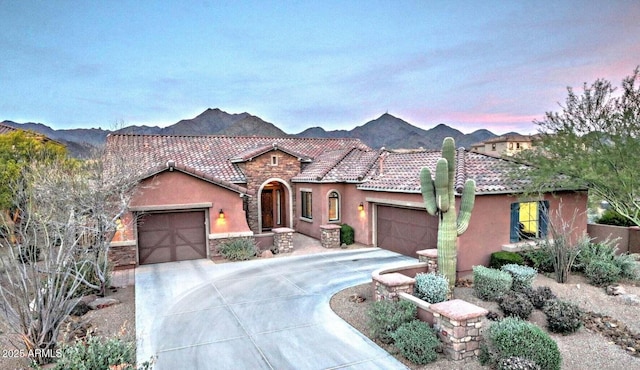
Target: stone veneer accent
point(283, 239)
point(459, 326)
point(388, 286)
point(330, 236)
point(430, 256)
point(123, 255)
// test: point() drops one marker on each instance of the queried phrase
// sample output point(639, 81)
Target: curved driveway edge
point(259, 314)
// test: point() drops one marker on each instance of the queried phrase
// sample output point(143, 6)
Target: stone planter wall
point(283, 239)
point(430, 256)
point(330, 236)
point(123, 255)
point(458, 323)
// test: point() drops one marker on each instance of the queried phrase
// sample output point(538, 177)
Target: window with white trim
point(334, 206)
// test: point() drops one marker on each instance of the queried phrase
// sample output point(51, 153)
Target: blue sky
point(335, 64)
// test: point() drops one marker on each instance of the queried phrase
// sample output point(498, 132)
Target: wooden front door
point(267, 209)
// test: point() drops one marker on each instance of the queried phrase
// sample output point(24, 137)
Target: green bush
point(540, 296)
point(517, 363)
point(239, 249)
point(490, 284)
point(539, 259)
point(516, 304)
point(95, 353)
point(385, 317)
point(523, 276)
point(431, 288)
point(512, 337)
point(347, 235)
point(562, 317)
point(607, 251)
point(499, 259)
point(611, 217)
point(417, 342)
point(600, 273)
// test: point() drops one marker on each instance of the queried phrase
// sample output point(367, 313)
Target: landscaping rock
point(80, 307)
point(630, 299)
point(102, 303)
point(266, 254)
point(615, 290)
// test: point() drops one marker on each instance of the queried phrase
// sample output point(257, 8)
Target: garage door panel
point(175, 236)
point(405, 230)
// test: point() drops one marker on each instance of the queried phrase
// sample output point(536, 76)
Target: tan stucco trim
point(393, 202)
point(239, 234)
point(170, 207)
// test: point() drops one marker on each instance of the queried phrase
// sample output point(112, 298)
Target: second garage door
point(405, 230)
point(174, 236)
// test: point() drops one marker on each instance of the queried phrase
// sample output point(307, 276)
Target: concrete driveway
point(260, 314)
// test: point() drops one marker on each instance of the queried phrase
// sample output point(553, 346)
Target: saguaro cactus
point(439, 199)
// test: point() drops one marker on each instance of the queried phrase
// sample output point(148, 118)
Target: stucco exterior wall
point(176, 191)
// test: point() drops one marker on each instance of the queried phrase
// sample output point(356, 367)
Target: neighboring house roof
point(216, 156)
point(400, 172)
point(4, 129)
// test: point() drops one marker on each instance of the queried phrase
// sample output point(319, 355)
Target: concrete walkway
point(260, 314)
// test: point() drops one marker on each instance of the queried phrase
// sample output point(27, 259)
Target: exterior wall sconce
point(360, 207)
point(220, 214)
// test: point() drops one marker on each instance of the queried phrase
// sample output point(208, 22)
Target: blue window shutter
point(515, 220)
point(543, 216)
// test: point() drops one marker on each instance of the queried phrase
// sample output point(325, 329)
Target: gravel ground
point(581, 350)
point(117, 320)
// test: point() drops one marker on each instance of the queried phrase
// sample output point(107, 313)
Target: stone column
point(459, 326)
point(283, 239)
point(387, 286)
point(330, 236)
point(430, 256)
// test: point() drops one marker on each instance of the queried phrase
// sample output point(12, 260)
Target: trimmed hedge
point(490, 284)
point(431, 288)
point(347, 234)
point(523, 276)
point(499, 259)
point(513, 337)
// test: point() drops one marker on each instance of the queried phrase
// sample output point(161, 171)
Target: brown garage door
point(175, 236)
point(405, 231)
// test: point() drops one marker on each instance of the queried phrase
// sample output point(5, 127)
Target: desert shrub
point(95, 353)
point(539, 259)
point(490, 284)
point(562, 317)
point(607, 251)
point(385, 317)
point(347, 235)
point(417, 342)
point(540, 295)
point(27, 253)
point(499, 259)
point(522, 276)
point(516, 304)
point(239, 249)
point(611, 217)
point(431, 288)
point(512, 337)
point(86, 270)
point(601, 273)
point(517, 363)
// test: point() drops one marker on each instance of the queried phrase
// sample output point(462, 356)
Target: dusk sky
point(335, 64)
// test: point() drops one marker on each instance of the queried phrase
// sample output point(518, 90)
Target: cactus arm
point(466, 205)
point(449, 153)
point(428, 191)
point(442, 185)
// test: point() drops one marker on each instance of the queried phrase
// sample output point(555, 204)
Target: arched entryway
point(275, 205)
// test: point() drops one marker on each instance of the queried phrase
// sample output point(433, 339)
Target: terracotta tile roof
point(251, 153)
point(400, 172)
point(346, 165)
point(4, 129)
point(212, 155)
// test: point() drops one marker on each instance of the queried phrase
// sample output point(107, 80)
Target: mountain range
point(385, 131)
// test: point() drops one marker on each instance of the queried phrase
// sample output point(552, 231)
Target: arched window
point(334, 206)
